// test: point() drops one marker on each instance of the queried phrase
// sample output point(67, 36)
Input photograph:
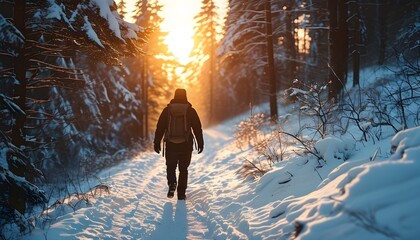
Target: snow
point(379, 202)
point(11, 39)
point(405, 139)
point(91, 34)
point(358, 190)
point(115, 23)
point(11, 105)
point(358, 199)
point(56, 11)
point(111, 16)
point(132, 29)
point(3, 162)
point(296, 91)
point(331, 148)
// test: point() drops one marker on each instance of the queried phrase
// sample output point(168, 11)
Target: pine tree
point(122, 8)
point(204, 55)
point(243, 58)
point(57, 32)
point(152, 77)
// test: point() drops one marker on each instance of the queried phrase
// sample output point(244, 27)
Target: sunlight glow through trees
point(178, 22)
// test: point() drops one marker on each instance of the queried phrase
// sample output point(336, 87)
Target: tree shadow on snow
point(170, 226)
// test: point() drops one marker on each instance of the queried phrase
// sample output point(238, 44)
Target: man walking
point(174, 125)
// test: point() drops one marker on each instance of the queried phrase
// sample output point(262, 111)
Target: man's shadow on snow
point(170, 226)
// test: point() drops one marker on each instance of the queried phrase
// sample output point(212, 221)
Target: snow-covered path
point(137, 207)
point(221, 204)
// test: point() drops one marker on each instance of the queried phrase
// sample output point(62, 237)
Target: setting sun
point(180, 44)
point(178, 23)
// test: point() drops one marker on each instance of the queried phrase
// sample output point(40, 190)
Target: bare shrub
point(70, 197)
point(391, 102)
point(306, 146)
point(388, 103)
point(263, 136)
point(248, 132)
point(314, 103)
point(253, 169)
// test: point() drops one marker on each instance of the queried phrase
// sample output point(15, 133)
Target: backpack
point(178, 130)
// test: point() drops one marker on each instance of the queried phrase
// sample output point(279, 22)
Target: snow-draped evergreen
point(150, 74)
point(203, 67)
point(64, 47)
point(242, 57)
point(100, 37)
point(15, 166)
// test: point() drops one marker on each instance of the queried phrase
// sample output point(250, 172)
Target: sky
point(179, 22)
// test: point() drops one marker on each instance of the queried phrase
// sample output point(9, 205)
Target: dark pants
point(182, 160)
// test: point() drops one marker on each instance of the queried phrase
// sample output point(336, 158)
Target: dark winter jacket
point(192, 119)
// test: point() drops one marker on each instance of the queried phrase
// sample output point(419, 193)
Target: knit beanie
point(180, 94)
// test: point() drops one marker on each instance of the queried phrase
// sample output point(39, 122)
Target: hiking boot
point(182, 197)
point(171, 191)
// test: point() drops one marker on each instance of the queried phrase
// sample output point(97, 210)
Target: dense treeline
point(78, 83)
point(64, 101)
point(314, 42)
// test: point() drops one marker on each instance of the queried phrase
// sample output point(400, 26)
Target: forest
point(81, 88)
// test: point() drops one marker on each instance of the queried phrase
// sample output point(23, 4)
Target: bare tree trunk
point(144, 130)
point(338, 46)
point(290, 44)
point(18, 132)
point(382, 30)
point(332, 7)
point(270, 58)
point(142, 84)
point(356, 42)
point(143, 81)
point(17, 197)
point(212, 66)
point(146, 101)
point(343, 35)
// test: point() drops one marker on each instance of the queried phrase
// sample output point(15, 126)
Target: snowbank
point(376, 200)
point(332, 148)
